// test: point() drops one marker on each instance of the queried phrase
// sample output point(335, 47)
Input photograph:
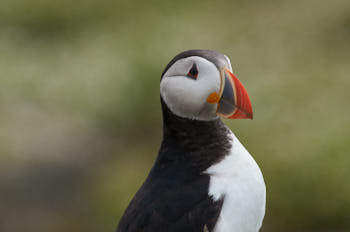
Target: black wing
point(174, 200)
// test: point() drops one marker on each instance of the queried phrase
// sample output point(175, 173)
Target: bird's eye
point(193, 73)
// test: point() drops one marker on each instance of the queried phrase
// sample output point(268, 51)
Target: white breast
point(238, 179)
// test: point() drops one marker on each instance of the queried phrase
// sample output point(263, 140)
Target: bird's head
point(199, 84)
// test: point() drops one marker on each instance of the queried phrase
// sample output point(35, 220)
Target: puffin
point(203, 179)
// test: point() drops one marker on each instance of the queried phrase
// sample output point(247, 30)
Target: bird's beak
point(233, 100)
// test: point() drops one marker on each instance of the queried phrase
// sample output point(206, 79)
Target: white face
point(186, 96)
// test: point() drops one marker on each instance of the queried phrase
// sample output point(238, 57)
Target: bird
point(203, 179)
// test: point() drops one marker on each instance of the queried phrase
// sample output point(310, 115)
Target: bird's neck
point(199, 143)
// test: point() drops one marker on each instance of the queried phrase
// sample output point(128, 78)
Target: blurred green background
point(80, 119)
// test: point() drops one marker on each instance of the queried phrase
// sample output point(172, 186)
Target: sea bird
point(203, 179)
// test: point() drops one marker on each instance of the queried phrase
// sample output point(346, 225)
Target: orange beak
point(234, 100)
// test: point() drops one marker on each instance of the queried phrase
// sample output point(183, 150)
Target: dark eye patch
point(193, 73)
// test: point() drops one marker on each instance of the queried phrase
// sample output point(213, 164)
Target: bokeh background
point(80, 119)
